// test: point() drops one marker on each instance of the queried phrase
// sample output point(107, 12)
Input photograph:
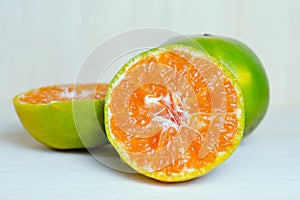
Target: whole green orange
point(246, 67)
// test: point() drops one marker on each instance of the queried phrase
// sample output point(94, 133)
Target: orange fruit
point(246, 67)
point(64, 116)
point(174, 113)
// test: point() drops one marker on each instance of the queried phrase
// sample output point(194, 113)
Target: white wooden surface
point(265, 166)
point(44, 42)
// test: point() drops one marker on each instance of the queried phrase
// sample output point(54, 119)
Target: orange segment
point(174, 113)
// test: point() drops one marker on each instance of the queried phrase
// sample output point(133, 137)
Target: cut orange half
point(174, 113)
point(50, 114)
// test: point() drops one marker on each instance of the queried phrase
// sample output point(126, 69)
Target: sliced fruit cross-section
point(47, 113)
point(174, 113)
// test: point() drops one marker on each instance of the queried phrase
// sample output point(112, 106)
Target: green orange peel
point(47, 114)
point(245, 66)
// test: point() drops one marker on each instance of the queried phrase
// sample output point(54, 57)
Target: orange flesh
point(46, 95)
point(171, 105)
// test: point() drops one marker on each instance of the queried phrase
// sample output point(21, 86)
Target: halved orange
point(64, 116)
point(174, 113)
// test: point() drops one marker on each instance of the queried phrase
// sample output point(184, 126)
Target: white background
point(44, 42)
